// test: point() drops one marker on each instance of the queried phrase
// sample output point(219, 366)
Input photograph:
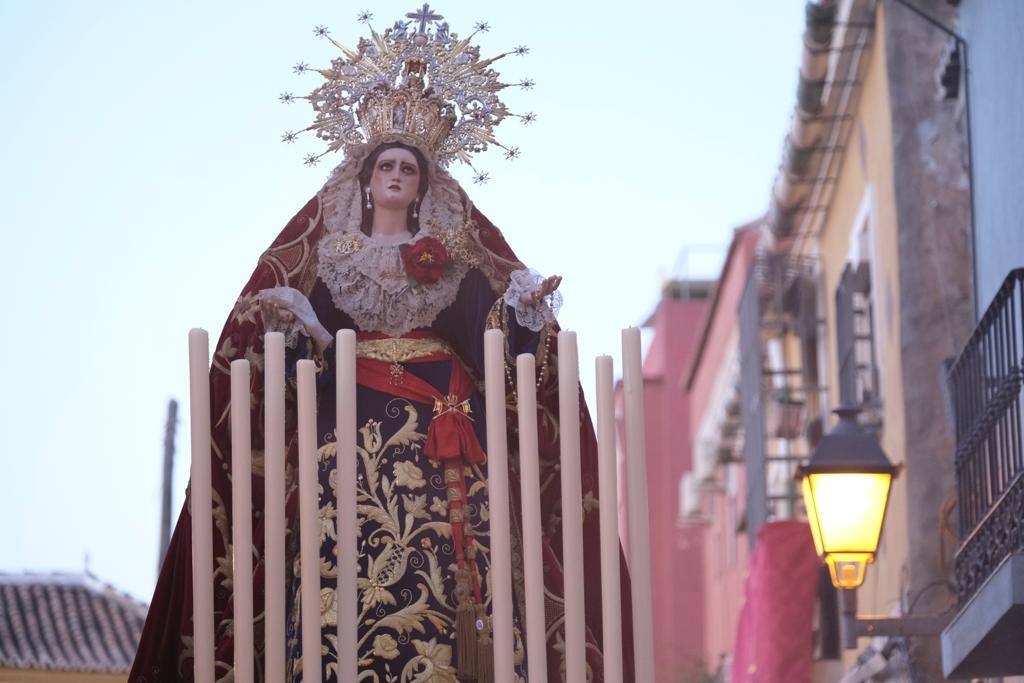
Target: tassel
point(465, 642)
point(485, 655)
point(465, 628)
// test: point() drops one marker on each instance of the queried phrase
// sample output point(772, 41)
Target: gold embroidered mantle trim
point(400, 350)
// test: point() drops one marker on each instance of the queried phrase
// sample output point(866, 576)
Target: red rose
point(425, 260)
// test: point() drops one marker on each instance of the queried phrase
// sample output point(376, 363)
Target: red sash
point(450, 434)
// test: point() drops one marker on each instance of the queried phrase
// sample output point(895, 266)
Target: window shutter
point(846, 339)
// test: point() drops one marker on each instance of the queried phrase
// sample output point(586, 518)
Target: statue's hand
point(545, 288)
point(284, 306)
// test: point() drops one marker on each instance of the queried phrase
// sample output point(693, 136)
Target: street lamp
point(846, 487)
point(846, 492)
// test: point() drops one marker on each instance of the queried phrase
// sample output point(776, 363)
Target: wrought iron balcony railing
point(986, 391)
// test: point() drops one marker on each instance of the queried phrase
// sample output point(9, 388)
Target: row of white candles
point(498, 491)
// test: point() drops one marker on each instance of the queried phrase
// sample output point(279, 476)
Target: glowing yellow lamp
point(846, 490)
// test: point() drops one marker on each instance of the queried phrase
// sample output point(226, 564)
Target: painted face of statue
point(395, 179)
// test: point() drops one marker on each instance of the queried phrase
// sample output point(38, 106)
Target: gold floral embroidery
point(416, 505)
point(406, 609)
point(245, 308)
point(328, 608)
point(458, 242)
point(371, 436)
point(407, 474)
point(385, 646)
point(439, 507)
point(432, 664)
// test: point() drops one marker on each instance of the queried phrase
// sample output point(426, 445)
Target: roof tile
point(67, 622)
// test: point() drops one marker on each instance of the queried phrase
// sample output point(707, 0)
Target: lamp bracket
point(929, 625)
point(853, 627)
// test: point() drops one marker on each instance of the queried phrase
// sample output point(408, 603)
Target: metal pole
point(165, 506)
point(848, 618)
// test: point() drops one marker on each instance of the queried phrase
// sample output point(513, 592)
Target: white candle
point(639, 539)
point(572, 507)
point(202, 505)
point(529, 486)
point(346, 595)
point(309, 523)
point(241, 521)
point(497, 491)
point(273, 504)
point(611, 605)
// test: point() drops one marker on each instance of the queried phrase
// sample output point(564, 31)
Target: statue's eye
point(409, 169)
point(385, 166)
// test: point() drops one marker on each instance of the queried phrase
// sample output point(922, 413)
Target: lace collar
point(367, 281)
point(397, 239)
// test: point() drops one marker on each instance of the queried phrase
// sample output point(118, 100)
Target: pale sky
point(142, 175)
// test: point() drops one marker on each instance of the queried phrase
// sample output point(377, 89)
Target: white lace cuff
point(305, 319)
point(531, 316)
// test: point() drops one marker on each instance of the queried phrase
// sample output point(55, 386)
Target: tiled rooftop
point(67, 622)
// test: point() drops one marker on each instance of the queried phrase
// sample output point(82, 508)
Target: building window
point(856, 346)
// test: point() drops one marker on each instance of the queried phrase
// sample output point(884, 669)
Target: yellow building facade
point(870, 210)
point(860, 227)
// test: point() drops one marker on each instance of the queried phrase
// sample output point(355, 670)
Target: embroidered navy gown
point(407, 553)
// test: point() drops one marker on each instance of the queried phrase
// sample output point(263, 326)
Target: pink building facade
point(725, 596)
point(714, 504)
point(760, 575)
point(677, 566)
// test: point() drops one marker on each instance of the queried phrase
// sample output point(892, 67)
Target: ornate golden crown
point(419, 84)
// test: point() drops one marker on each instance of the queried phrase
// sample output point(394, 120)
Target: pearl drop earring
point(369, 203)
point(416, 208)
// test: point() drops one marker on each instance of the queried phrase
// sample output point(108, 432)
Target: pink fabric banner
point(774, 639)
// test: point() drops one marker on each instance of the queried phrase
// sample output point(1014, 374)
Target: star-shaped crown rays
point(418, 82)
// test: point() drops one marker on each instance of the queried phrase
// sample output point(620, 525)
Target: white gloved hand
point(285, 302)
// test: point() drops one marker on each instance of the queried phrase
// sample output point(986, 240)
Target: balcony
point(985, 382)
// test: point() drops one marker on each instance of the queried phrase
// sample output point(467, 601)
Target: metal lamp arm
point(854, 627)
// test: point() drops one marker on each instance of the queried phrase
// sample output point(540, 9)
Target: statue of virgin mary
point(392, 247)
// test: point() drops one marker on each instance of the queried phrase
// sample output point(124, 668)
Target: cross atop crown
point(424, 15)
